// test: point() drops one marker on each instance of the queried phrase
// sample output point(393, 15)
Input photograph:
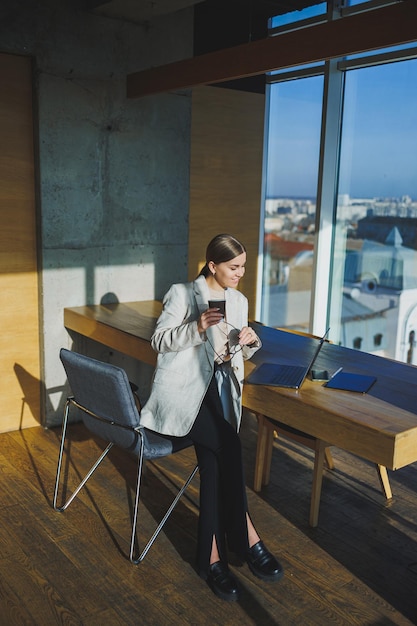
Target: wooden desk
point(380, 426)
point(126, 327)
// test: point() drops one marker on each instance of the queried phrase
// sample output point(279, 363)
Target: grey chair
point(109, 409)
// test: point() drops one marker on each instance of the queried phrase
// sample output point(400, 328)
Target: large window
point(374, 288)
point(364, 112)
point(290, 204)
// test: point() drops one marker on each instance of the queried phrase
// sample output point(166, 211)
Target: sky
point(379, 137)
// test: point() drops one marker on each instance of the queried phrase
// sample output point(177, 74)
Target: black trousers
point(223, 502)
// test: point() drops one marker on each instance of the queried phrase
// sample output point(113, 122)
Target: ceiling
point(139, 10)
point(218, 24)
point(145, 10)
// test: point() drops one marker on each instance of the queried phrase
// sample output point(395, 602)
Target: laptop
point(284, 375)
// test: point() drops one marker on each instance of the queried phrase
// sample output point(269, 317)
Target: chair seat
point(157, 446)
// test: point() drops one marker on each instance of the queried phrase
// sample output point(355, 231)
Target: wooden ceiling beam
point(365, 31)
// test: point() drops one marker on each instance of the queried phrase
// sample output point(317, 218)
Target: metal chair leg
point(162, 522)
point(60, 457)
point(139, 559)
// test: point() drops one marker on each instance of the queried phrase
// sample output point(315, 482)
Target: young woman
point(196, 392)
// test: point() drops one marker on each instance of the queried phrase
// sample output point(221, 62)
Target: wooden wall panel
point(19, 318)
point(226, 174)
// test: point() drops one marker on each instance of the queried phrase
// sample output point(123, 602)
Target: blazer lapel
point(201, 295)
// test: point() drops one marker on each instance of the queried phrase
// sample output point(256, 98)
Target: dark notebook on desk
point(284, 375)
point(348, 381)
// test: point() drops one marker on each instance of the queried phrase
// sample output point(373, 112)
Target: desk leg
point(269, 445)
point(384, 480)
point(317, 482)
point(329, 458)
point(260, 452)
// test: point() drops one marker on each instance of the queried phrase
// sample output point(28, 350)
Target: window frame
point(334, 72)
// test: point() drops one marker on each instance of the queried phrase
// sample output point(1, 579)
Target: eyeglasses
point(231, 340)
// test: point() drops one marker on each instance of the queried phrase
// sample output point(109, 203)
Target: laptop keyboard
point(289, 374)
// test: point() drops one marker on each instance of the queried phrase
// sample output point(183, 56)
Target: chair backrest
point(103, 389)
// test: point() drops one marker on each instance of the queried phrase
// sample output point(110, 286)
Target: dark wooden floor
point(358, 567)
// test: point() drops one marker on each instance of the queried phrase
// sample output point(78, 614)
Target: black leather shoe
point(222, 582)
point(263, 564)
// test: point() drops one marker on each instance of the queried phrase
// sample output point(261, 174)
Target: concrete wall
point(113, 173)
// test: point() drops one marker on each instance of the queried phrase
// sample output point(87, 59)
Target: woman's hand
point(211, 317)
point(247, 336)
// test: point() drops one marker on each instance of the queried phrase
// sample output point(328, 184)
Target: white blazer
point(185, 362)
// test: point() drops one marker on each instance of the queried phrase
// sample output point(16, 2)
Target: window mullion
point(260, 305)
point(326, 197)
